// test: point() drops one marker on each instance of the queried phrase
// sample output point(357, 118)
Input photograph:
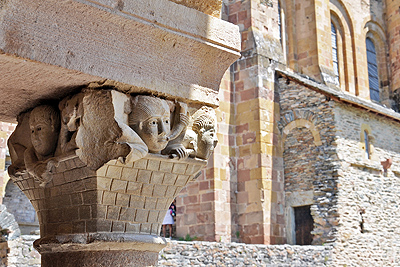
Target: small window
point(335, 52)
point(280, 21)
point(367, 145)
point(373, 77)
point(304, 225)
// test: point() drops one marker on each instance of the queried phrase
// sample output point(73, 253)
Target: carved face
point(152, 122)
point(154, 132)
point(44, 130)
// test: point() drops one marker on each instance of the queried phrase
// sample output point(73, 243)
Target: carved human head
point(44, 123)
point(150, 118)
point(204, 121)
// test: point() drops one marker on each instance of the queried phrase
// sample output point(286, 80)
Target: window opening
point(367, 146)
point(373, 77)
point(335, 52)
point(304, 224)
point(280, 21)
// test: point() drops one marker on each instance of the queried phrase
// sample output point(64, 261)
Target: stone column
point(115, 107)
point(393, 20)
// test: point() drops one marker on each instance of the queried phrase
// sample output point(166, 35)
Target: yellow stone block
point(245, 117)
point(265, 184)
point(267, 148)
point(255, 174)
point(247, 106)
point(244, 150)
point(256, 148)
point(253, 190)
point(266, 104)
point(222, 175)
point(220, 138)
point(260, 173)
point(239, 140)
point(225, 107)
point(232, 151)
point(217, 184)
point(254, 207)
point(255, 125)
point(224, 150)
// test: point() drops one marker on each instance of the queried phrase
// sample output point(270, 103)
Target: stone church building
point(308, 130)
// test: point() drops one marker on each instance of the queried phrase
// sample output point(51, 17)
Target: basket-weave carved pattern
point(117, 198)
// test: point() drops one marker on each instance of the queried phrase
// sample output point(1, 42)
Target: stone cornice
point(341, 96)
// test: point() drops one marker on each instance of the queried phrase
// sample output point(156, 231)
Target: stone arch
point(20, 207)
point(341, 19)
point(376, 34)
point(7, 221)
point(299, 118)
point(299, 169)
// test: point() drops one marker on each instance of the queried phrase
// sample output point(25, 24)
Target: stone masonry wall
point(22, 253)
point(239, 254)
point(19, 205)
point(206, 207)
point(299, 152)
point(369, 198)
point(307, 114)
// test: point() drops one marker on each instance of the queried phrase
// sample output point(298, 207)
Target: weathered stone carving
point(100, 137)
point(199, 139)
point(104, 168)
point(19, 140)
point(101, 125)
point(150, 118)
point(71, 109)
point(204, 124)
point(44, 123)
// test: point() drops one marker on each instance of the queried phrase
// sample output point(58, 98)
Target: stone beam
point(49, 48)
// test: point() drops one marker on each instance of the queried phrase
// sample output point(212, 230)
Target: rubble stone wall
point(18, 204)
point(239, 254)
point(309, 152)
point(22, 253)
point(369, 196)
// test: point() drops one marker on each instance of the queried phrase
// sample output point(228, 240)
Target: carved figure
point(122, 108)
point(150, 118)
point(71, 110)
point(203, 124)
point(97, 137)
point(18, 142)
point(180, 120)
point(198, 140)
point(44, 123)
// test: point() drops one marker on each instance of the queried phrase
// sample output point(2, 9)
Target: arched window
point(335, 57)
point(280, 21)
point(373, 77)
point(367, 145)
